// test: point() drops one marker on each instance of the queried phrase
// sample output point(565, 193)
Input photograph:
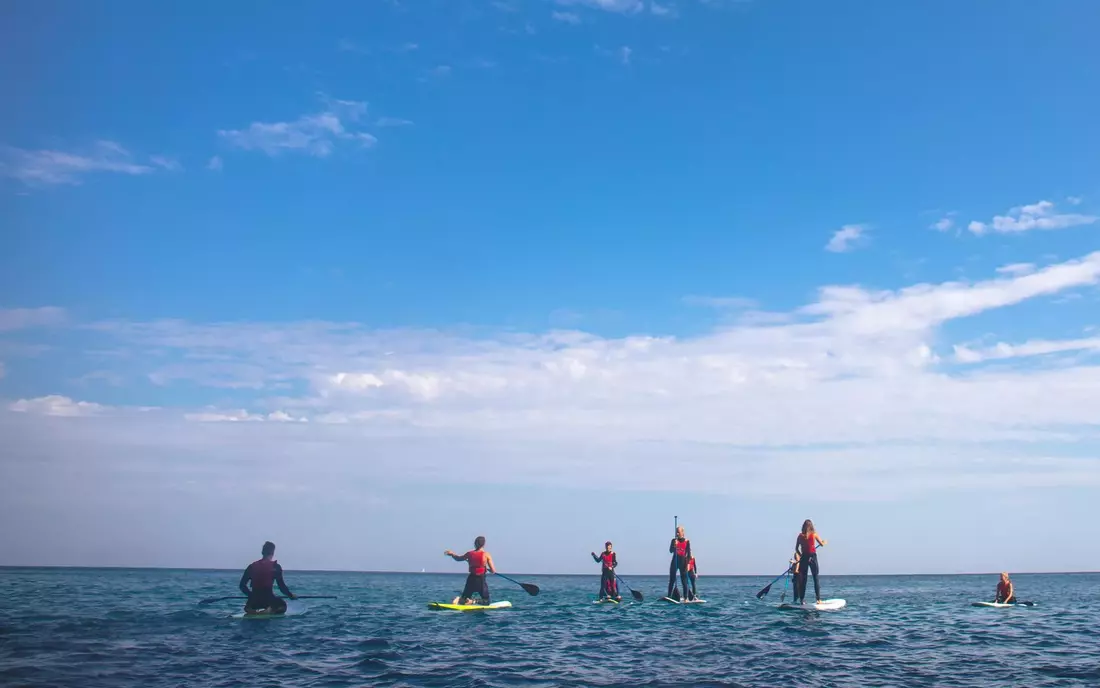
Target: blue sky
point(550, 271)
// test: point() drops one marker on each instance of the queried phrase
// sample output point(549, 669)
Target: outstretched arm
point(820, 540)
point(456, 557)
point(595, 557)
point(245, 577)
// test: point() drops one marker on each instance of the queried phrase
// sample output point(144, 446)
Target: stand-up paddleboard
point(822, 606)
point(1002, 605)
point(469, 607)
point(674, 601)
point(267, 615)
point(606, 600)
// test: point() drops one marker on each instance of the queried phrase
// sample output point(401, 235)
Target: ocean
point(143, 627)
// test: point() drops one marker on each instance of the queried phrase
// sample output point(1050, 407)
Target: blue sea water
point(141, 627)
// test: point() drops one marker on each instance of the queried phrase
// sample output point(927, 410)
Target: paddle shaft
point(529, 588)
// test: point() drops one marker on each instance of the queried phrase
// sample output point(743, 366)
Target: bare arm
point(456, 557)
point(489, 563)
point(820, 540)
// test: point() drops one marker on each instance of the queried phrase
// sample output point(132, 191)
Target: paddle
point(529, 588)
point(634, 593)
point(210, 600)
point(768, 587)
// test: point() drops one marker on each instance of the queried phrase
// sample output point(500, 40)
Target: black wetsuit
point(608, 586)
point(807, 564)
point(263, 574)
point(679, 564)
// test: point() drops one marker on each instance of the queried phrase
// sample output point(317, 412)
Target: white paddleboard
point(672, 601)
point(822, 606)
point(1002, 605)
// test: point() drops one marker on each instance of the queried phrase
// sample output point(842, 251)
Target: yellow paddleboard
point(469, 607)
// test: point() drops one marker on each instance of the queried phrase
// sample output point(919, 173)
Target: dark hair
point(269, 549)
point(479, 542)
point(808, 527)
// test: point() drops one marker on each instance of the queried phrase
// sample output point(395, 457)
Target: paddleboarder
point(805, 561)
point(680, 548)
point(609, 588)
point(263, 574)
point(1006, 592)
point(479, 562)
point(692, 574)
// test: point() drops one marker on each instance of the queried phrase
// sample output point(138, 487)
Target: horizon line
point(578, 575)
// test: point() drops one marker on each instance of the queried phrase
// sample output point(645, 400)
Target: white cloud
point(566, 17)
point(317, 134)
point(24, 318)
point(1002, 351)
point(56, 405)
point(1017, 269)
point(1026, 218)
point(735, 302)
point(1075, 200)
point(51, 167)
point(846, 238)
point(662, 10)
point(618, 6)
point(624, 54)
point(166, 163)
point(393, 122)
point(440, 71)
point(215, 164)
point(944, 223)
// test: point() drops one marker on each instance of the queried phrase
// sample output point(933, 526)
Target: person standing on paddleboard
point(680, 548)
point(608, 587)
point(805, 561)
point(263, 574)
point(480, 561)
point(1006, 592)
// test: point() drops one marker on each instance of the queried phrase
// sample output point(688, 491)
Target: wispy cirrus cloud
point(53, 167)
point(616, 6)
point(316, 134)
point(566, 17)
point(1026, 218)
point(24, 318)
point(847, 238)
point(393, 122)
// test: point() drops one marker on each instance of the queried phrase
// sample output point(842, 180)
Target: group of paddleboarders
point(261, 576)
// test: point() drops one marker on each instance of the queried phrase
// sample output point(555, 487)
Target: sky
point(372, 280)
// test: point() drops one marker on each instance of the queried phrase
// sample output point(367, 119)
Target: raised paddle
point(210, 600)
point(634, 593)
point(768, 587)
point(529, 588)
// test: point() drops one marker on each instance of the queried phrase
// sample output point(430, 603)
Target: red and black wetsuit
point(681, 555)
point(692, 573)
point(807, 563)
point(608, 586)
point(1002, 593)
point(475, 582)
point(264, 573)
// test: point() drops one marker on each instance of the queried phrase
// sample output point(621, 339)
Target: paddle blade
point(637, 595)
point(765, 591)
point(530, 588)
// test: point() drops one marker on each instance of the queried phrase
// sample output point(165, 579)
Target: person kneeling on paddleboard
point(609, 588)
point(1006, 592)
point(480, 561)
point(805, 561)
point(680, 548)
point(263, 573)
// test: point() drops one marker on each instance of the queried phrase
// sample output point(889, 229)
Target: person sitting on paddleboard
point(680, 548)
point(805, 561)
point(264, 573)
point(692, 574)
point(608, 587)
point(480, 561)
point(1006, 592)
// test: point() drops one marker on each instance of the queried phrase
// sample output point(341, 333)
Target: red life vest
point(682, 547)
point(1002, 590)
point(608, 559)
point(262, 573)
point(809, 543)
point(477, 562)
point(691, 564)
